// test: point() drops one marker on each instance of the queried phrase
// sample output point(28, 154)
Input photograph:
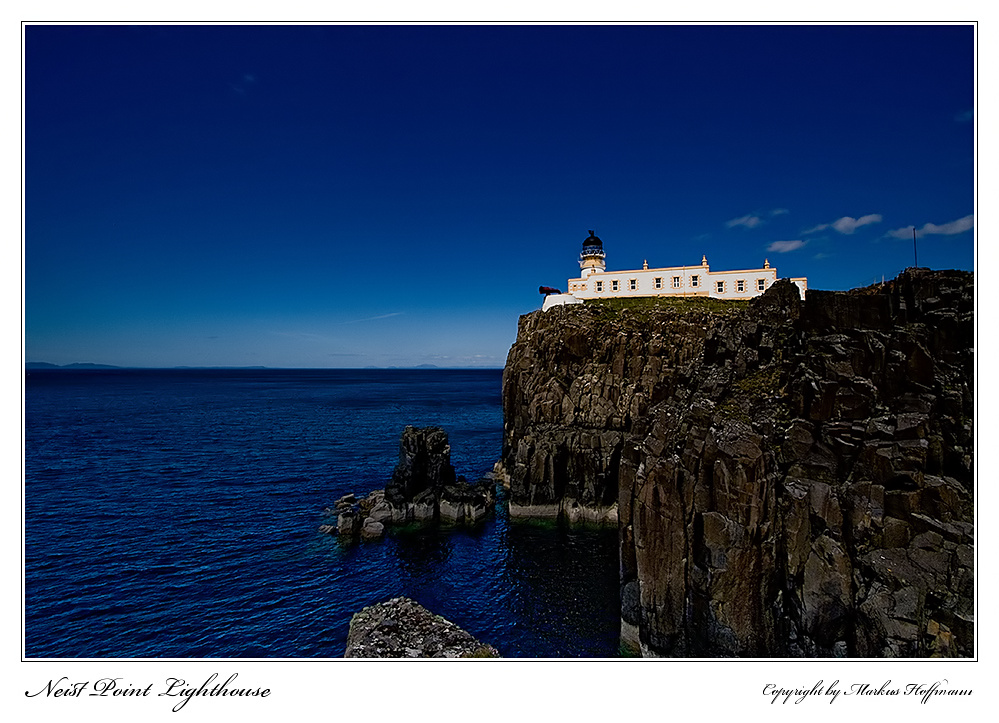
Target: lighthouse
point(591, 260)
point(596, 282)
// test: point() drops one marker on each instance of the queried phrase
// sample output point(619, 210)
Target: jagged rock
point(466, 503)
point(423, 489)
point(381, 512)
point(424, 464)
point(372, 530)
point(790, 478)
point(349, 523)
point(402, 628)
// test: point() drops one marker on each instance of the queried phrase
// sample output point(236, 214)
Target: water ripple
point(175, 514)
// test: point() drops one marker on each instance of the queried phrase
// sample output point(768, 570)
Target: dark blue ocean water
point(175, 513)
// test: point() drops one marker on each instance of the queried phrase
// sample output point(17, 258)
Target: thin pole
point(914, 254)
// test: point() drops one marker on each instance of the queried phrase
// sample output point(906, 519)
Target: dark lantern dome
point(593, 241)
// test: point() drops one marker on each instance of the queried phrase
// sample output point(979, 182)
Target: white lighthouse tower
point(591, 259)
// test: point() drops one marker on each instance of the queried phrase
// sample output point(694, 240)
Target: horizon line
point(89, 366)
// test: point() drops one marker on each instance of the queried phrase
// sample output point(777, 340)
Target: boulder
point(349, 523)
point(372, 530)
point(402, 628)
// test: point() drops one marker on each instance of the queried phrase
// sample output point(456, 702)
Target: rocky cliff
point(789, 478)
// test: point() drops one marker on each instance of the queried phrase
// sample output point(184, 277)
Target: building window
point(633, 284)
point(658, 282)
point(761, 284)
point(614, 285)
point(740, 285)
point(694, 280)
point(676, 282)
point(600, 285)
point(720, 287)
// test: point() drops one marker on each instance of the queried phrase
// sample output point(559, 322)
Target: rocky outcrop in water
point(423, 489)
point(401, 628)
point(790, 478)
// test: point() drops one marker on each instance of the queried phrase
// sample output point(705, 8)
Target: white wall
point(559, 300)
point(644, 281)
point(730, 279)
point(706, 283)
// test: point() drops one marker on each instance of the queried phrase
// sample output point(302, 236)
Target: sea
point(176, 514)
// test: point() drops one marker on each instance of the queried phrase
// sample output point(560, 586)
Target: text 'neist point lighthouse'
point(595, 282)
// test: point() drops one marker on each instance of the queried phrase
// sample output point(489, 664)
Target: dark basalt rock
point(401, 628)
point(790, 478)
point(423, 489)
point(424, 464)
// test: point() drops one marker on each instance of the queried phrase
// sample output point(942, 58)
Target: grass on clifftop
point(679, 303)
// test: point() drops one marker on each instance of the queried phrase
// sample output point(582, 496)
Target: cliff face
point(790, 478)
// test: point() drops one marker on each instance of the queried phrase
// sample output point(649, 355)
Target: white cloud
point(849, 224)
point(949, 229)
point(782, 247)
point(846, 224)
point(372, 318)
point(779, 212)
point(945, 229)
point(749, 221)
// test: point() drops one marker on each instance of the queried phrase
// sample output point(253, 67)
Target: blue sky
point(349, 196)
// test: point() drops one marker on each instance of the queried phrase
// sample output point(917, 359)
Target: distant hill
point(76, 365)
point(87, 365)
point(427, 366)
point(253, 368)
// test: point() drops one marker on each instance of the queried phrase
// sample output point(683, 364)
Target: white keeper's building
point(595, 282)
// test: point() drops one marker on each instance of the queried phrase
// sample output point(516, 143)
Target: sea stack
point(423, 489)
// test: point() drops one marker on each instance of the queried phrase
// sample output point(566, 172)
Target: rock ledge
point(402, 628)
